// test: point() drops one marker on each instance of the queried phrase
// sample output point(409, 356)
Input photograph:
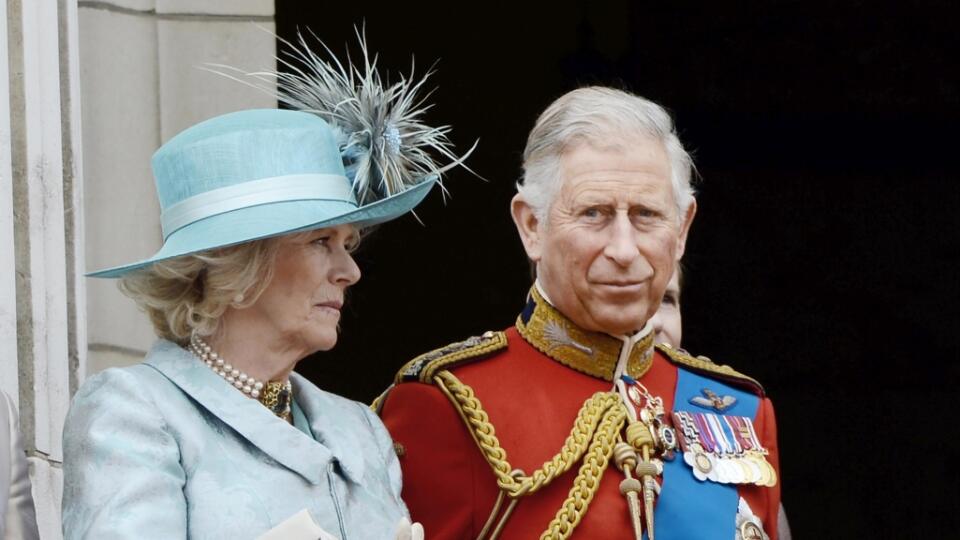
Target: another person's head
point(605, 206)
point(667, 322)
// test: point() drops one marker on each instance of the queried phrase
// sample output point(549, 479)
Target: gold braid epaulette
point(704, 365)
point(590, 443)
point(424, 366)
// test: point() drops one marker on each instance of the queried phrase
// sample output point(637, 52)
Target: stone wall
point(88, 90)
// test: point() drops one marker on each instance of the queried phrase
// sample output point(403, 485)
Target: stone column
point(66, 207)
point(42, 306)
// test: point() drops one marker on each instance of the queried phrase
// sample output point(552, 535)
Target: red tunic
point(532, 400)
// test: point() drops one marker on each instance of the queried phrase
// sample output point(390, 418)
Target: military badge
point(558, 336)
point(749, 526)
point(710, 400)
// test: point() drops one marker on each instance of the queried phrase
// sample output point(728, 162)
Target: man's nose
point(622, 244)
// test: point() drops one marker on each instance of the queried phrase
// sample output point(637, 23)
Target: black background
point(823, 260)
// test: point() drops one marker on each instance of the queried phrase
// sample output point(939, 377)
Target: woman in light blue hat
point(214, 435)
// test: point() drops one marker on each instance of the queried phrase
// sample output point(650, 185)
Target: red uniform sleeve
point(765, 502)
point(438, 460)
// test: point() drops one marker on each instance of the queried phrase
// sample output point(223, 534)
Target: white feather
point(386, 146)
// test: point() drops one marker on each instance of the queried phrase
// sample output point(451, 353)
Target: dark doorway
point(824, 257)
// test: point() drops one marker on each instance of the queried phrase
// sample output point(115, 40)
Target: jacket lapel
point(276, 438)
point(335, 425)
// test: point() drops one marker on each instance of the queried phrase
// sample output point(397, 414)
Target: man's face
point(612, 236)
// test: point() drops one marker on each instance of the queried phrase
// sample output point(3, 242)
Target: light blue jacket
point(168, 449)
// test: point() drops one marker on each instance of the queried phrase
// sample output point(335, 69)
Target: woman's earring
point(238, 299)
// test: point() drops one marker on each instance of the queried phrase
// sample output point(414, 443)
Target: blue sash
point(688, 508)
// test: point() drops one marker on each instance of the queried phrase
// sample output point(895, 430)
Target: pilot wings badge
point(713, 401)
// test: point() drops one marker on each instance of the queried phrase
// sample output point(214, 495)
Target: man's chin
point(617, 325)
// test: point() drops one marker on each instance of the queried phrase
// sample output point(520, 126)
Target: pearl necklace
point(240, 380)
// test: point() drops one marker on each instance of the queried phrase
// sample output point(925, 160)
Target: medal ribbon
point(741, 432)
point(688, 431)
point(706, 436)
point(754, 439)
point(719, 434)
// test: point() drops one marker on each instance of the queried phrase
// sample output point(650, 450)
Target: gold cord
point(588, 478)
point(595, 432)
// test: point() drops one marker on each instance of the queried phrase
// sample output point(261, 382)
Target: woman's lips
point(332, 306)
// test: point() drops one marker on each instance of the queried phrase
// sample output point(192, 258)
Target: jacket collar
point(281, 441)
point(593, 353)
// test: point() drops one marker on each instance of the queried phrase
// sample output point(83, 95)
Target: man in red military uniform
point(572, 423)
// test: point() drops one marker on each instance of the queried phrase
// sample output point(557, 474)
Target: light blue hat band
point(294, 187)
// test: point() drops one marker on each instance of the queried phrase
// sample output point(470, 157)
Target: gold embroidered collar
point(593, 353)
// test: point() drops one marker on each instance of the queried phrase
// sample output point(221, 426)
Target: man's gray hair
point(602, 117)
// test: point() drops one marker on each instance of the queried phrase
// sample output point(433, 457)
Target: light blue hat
point(255, 174)
point(355, 151)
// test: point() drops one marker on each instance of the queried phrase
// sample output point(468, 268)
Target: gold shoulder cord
point(594, 434)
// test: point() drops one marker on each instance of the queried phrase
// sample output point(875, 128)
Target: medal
point(744, 473)
point(723, 449)
point(750, 475)
point(694, 455)
point(730, 470)
point(744, 445)
point(770, 474)
point(748, 525)
point(710, 446)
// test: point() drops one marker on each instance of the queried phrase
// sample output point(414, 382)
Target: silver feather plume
point(386, 146)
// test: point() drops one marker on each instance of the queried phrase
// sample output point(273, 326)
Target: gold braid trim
point(588, 477)
point(594, 433)
point(592, 353)
point(424, 366)
point(377, 404)
point(708, 367)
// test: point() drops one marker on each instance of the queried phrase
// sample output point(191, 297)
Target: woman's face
point(311, 273)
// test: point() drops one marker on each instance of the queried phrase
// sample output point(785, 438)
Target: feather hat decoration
point(386, 146)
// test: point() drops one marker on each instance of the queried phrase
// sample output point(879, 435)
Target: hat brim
point(275, 219)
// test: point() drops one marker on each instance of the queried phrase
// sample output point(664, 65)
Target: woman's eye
point(322, 241)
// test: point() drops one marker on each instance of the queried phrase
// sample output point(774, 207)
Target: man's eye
point(645, 213)
point(670, 300)
point(592, 213)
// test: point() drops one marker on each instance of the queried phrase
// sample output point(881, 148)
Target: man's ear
point(685, 228)
point(527, 225)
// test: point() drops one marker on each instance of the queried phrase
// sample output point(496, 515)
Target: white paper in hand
point(299, 526)
point(408, 531)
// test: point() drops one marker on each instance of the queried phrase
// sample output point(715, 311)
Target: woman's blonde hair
point(191, 293)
